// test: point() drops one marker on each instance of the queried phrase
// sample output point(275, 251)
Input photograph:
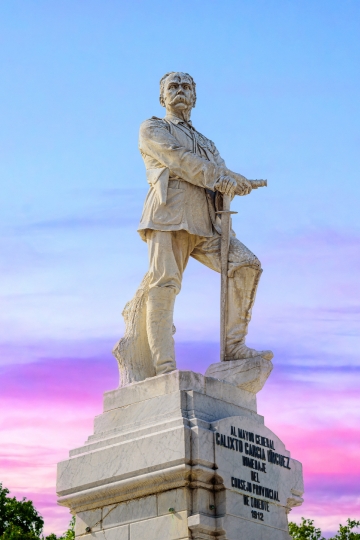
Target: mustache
point(179, 97)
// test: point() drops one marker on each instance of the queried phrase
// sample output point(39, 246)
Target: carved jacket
point(182, 167)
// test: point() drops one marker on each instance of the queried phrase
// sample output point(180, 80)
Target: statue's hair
point(162, 85)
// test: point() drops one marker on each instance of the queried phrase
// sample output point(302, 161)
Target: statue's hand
point(227, 186)
point(243, 187)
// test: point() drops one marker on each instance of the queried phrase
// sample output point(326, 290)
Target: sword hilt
point(226, 206)
point(258, 183)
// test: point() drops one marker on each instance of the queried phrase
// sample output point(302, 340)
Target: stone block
point(202, 443)
point(129, 511)
point(135, 431)
point(87, 519)
point(170, 527)
point(209, 408)
point(119, 461)
point(228, 393)
point(203, 502)
point(178, 381)
point(153, 387)
point(250, 529)
point(117, 533)
point(179, 499)
point(159, 408)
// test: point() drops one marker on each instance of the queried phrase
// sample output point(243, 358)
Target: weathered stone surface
point(258, 474)
point(129, 511)
point(88, 518)
point(250, 374)
point(251, 530)
point(117, 533)
point(171, 527)
point(146, 475)
point(173, 382)
point(178, 499)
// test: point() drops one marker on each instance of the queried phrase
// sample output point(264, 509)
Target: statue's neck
point(184, 116)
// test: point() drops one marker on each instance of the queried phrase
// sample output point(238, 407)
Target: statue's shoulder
point(154, 121)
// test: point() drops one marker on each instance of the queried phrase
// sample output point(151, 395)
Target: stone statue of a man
point(187, 178)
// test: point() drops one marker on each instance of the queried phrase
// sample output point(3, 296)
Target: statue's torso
point(188, 206)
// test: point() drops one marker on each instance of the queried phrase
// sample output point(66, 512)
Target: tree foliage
point(70, 533)
point(307, 531)
point(345, 532)
point(19, 520)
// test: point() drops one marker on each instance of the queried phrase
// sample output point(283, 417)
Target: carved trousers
point(169, 252)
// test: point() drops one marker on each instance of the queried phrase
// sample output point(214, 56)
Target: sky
point(277, 87)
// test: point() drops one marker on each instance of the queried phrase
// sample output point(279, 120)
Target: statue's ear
point(162, 103)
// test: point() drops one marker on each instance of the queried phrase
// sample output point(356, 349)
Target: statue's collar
point(176, 120)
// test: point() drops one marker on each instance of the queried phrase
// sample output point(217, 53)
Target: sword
point(224, 256)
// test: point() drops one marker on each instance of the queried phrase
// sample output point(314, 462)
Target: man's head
point(178, 92)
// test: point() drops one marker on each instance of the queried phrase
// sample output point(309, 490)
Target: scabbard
point(224, 256)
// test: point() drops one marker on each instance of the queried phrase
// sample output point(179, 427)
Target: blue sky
point(277, 91)
point(277, 84)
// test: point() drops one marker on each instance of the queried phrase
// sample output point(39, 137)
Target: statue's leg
point(243, 278)
point(168, 254)
point(242, 287)
point(160, 309)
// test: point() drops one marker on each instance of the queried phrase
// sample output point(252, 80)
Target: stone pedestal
point(180, 456)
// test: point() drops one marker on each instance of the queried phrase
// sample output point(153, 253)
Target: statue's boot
point(242, 288)
point(159, 325)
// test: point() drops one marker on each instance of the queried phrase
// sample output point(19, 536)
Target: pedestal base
point(180, 456)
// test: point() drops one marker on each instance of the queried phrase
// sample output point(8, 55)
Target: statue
point(178, 454)
point(184, 213)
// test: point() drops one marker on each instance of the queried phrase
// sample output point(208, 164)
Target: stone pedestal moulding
point(180, 456)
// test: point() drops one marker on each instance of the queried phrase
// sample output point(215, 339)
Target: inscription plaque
point(261, 480)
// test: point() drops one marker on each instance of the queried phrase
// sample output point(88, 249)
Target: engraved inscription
point(243, 485)
point(260, 495)
point(234, 441)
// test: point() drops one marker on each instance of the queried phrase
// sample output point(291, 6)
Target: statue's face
point(178, 92)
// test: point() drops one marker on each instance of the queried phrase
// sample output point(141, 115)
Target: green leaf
point(305, 531)
point(345, 531)
point(18, 518)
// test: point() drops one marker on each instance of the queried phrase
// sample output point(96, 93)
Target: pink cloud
point(48, 407)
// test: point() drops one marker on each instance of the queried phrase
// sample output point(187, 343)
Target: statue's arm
point(243, 184)
point(156, 141)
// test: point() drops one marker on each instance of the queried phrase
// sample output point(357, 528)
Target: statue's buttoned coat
point(182, 168)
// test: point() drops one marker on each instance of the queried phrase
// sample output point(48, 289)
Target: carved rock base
point(249, 374)
point(178, 457)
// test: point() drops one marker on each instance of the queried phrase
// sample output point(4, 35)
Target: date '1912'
point(257, 515)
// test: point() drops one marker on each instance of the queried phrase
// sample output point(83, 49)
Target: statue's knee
point(240, 255)
point(256, 263)
point(251, 262)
